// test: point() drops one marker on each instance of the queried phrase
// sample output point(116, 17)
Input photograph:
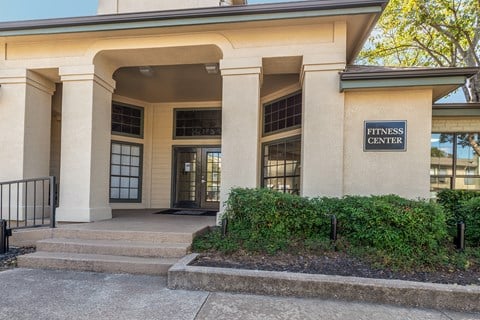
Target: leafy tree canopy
point(433, 33)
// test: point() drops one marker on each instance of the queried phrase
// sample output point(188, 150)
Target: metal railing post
point(53, 204)
point(3, 236)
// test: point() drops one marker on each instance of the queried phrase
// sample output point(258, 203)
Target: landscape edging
point(395, 292)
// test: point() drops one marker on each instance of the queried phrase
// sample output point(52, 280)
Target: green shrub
point(451, 201)
point(266, 220)
point(390, 230)
point(401, 232)
point(469, 212)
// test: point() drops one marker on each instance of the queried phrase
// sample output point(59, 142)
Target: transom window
point(198, 123)
point(127, 120)
point(282, 114)
point(125, 172)
point(455, 161)
point(281, 165)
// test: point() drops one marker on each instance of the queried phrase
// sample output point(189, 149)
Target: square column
point(240, 124)
point(85, 155)
point(25, 113)
point(322, 131)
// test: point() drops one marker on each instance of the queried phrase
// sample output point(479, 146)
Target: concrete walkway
point(50, 294)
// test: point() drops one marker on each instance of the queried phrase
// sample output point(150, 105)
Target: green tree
point(441, 33)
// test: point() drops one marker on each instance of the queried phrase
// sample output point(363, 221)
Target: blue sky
point(11, 10)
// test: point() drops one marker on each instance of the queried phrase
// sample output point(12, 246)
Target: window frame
point(140, 174)
point(278, 141)
point(174, 133)
point(142, 120)
point(265, 134)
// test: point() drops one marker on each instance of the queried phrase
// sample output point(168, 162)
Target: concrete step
point(145, 236)
point(114, 247)
point(96, 263)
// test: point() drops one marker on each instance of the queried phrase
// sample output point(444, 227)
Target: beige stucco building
point(159, 104)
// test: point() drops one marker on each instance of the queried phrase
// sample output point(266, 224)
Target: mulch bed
point(9, 260)
point(332, 263)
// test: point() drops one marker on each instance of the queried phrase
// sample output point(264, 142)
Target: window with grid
point(282, 114)
point(127, 120)
point(281, 165)
point(454, 161)
point(125, 172)
point(198, 123)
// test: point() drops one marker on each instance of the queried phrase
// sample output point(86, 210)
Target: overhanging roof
point(253, 12)
point(443, 80)
point(456, 110)
point(370, 9)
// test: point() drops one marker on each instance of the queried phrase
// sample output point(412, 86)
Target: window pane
point(127, 120)
point(115, 170)
point(467, 183)
point(133, 193)
point(134, 171)
point(116, 148)
point(282, 114)
point(125, 180)
point(114, 193)
point(126, 149)
point(467, 154)
point(125, 171)
point(135, 161)
point(115, 159)
point(281, 166)
point(198, 123)
point(124, 193)
point(441, 165)
point(115, 182)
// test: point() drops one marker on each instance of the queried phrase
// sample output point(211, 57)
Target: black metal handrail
point(26, 203)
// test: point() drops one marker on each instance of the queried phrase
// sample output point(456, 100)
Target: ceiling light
point(146, 71)
point(211, 68)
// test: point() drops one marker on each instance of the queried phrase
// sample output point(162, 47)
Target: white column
point(240, 124)
point(85, 155)
point(322, 130)
point(25, 115)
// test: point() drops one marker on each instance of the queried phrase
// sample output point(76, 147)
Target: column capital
point(27, 77)
point(241, 66)
point(318, 63)
point(86, 73)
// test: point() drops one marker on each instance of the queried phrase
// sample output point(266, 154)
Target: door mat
point(183, 212)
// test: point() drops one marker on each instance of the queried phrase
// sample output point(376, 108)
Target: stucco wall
point(404, 173)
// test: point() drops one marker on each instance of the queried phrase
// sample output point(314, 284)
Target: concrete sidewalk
point(46, 294)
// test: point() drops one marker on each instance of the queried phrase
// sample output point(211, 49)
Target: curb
point(393, 292)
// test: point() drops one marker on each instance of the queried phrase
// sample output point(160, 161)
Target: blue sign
point(385, 136)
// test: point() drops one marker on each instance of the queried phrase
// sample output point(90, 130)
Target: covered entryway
point(197, 177)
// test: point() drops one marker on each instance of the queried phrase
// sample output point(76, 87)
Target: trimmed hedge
point(462, 205)
point(393, 231)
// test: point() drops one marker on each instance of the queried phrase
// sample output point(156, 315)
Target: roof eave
point(410, 73)
point(222, 14)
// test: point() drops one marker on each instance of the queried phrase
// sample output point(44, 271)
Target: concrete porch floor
point(133, 221)
point(147, 221)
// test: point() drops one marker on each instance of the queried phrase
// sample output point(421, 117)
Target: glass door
point(197, 177)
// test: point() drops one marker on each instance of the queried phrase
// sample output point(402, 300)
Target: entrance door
point(197, 177)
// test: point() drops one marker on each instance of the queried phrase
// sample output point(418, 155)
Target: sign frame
point(387, 122)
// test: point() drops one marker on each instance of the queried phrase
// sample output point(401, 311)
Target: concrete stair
point(112, 251)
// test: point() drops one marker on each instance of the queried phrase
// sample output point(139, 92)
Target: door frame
point(173, 175)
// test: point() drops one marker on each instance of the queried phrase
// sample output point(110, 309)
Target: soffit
point(184, 83)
